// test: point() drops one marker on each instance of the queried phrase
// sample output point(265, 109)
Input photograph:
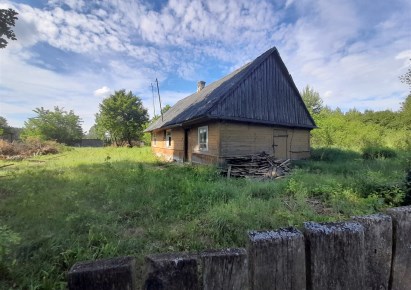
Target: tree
point(7, 20)
point(59, 125)
point(93, 133)
point(156, 117)
point(312, 100)
point(3, 125)
point(406, 78)
point(122, 116)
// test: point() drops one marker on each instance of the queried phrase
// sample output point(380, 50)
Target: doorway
point(280, 144)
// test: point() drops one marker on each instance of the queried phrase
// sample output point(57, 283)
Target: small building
point(254, 109)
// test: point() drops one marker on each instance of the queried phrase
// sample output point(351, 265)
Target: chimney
point(200, 85)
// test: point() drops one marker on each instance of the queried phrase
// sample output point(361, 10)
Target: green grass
point(104, 202)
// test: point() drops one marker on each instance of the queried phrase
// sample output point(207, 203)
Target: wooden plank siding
point(173, 152)
point(212, 154)
point(266, 95)
point(244, 139)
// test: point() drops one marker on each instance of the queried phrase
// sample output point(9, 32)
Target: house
point(255, 108)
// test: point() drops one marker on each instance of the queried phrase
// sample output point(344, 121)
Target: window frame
point(168, 138)
point(199, 138)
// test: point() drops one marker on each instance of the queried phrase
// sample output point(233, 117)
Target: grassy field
point(104, 202)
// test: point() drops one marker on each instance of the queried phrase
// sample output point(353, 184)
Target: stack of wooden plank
point(263, 166)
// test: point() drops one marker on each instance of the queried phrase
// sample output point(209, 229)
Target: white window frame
point(168, 138)
point(200, 148)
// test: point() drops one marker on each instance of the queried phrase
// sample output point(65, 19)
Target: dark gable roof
point(219, 100)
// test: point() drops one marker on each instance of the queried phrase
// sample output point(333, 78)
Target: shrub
point(332, 154)
point(371, 152)
point(407, 198)
point(31, 147)
point(6, 148)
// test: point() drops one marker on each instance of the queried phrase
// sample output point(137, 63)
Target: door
point(280, 144)
point(186, 145)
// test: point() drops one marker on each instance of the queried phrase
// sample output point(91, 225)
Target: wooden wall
point(175, 151)
point(209, 156)
point(243, 139)
point(227, 139)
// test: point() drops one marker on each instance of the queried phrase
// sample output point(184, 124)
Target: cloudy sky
point(74, 53)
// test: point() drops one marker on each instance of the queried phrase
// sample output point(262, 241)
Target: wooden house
point(255, 108)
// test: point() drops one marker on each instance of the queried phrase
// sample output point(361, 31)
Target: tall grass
point(104, 202)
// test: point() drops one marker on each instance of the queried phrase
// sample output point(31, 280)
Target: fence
point(369, 252)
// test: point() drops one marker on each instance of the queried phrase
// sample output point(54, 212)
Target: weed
point(378, 153)
point(92, 203)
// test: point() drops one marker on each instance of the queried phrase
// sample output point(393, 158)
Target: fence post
point(335, 255)
point(171, 271)
point(401, 260)
point(378, 249)
point(276, 260)
point(225, 269)
point(117, 273)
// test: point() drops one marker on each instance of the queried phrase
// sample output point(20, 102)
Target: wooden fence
point(368, 252)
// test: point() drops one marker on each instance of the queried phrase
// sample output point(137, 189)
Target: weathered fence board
point(225, 269)
point(378, 250)
point(277, 260)
point(117, 273)
point(401, 262)
point(335, 255)
point(175, 271)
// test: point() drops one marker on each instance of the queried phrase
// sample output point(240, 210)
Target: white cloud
point(102, 92)
point(349, 51)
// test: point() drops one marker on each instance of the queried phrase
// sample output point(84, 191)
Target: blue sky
point(74, 53)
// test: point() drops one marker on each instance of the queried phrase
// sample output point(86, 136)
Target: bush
point(378, 152)
point(407, 198)
point(31, 147)
point(332, 154)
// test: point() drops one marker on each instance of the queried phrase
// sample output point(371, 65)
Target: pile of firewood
point(261, 166)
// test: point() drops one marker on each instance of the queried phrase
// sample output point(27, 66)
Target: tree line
point(354, 129)
point(121, 119)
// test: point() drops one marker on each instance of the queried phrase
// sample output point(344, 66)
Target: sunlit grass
point(91, 203)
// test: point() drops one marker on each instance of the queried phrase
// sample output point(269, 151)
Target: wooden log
point(335, 255)
point(277, 260)
point(378, 249)
point(401, 262)
point(117, 273)
point(225, 269)
point(173, 271)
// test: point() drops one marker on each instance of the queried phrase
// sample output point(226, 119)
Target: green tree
point(122, 116)
point(312, 100)
point(405, 112)
point(93, 133)
point(406, 78)
point(156, 117)
point(7, 20)
point(58, 125)
point(3, 125)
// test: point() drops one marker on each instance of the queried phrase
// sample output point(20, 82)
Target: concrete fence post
point(377, 249)
point(335, 255)
point(171, 271)
point(276, 260)
point(117, 273)
point(225, 269)
point(401, 261)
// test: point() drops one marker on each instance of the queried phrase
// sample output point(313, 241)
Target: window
point(203, 138)
point(168, 138)
point(154, 138)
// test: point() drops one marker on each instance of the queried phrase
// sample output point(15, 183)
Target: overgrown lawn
point(104, 202)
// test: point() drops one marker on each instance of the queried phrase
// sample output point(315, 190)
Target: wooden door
point(280, 144)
